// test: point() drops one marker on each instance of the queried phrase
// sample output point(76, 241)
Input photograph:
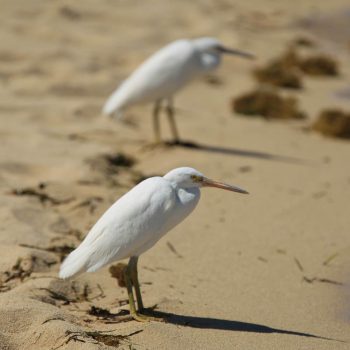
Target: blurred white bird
point(135, 222)
point(164, 73)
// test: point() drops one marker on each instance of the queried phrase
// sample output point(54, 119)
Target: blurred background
point(270, 270)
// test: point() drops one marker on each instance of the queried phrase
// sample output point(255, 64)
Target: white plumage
point(136, 221)
point(165, 72)
point(131, 225)
point(158, 77)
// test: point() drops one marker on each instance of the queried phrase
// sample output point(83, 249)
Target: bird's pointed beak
point(244, 54)
point(211, 183)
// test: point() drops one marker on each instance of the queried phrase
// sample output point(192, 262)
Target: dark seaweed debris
point(286, 71)
point(97, 337)
point(267, 104)
point(61, 250)
point(303, 41)
point(333, 122)
point(110, 163)
point(320, 65)
point(281, 72)
point(40, 194)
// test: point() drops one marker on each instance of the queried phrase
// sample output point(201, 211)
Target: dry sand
point(265, 271)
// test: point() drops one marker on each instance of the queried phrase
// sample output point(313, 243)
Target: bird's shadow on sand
point(227, 325)
point(235, 152)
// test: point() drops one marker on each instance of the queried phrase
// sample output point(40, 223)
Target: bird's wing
point(160, 76)
point(126, 226)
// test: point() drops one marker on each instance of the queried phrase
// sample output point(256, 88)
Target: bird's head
point(186, 177)
point(211, 49)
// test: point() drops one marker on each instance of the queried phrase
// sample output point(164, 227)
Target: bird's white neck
point(188, 199)
point(209, 61)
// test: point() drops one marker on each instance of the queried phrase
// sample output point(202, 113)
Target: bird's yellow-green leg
point(129, 277)
point(135, 282)
point(156, 125)
point(170, 112)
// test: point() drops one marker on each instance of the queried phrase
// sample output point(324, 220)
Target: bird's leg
point(135, 282)
point(128, 281)
point(156, 126)
point(170, 112)
point(130, 277)
point(129, 289)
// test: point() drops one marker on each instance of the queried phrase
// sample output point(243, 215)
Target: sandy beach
point(266, 271)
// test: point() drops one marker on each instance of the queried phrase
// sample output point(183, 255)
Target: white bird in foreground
point(135, 222)
point(164, 73)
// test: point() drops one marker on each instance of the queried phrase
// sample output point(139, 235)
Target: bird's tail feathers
point(75, 263)
point(114, 105)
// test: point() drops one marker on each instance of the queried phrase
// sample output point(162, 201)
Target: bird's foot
point(154, 145)
point(140, 317)
point(162, 144)
point(182, 143)
point(166, 144)
point(175, 142)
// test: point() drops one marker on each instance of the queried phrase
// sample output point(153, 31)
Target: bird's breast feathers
point(162, 74)
point(139, 216)
point(131, 225)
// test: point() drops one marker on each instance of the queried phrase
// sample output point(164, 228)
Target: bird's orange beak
point(211, 183)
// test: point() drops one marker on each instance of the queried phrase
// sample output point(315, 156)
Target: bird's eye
point(196, 178)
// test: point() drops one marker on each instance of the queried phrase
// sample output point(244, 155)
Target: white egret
point(135, 222)
point(164, 73)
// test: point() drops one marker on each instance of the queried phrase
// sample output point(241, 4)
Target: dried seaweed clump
point(120, 159)
point(22, 270)
point(319, 65)
point(282, 72)
point(267, 104)
point(333, 122)
point(111, 163)
point(303, 41)
point(286, 71)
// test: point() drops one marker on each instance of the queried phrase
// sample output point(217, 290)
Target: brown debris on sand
point(319, 65)
point(107, 168)
point(99, 312)
point(303, 41)
point(62, 250)
point(40, 194)
point(286, 71)
point(60, 292)
point(111, 162)
point(267, 104)
point(333, 122)
point(22, 269)
point(212, 79)
point(98, 337)
point(281, 72)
